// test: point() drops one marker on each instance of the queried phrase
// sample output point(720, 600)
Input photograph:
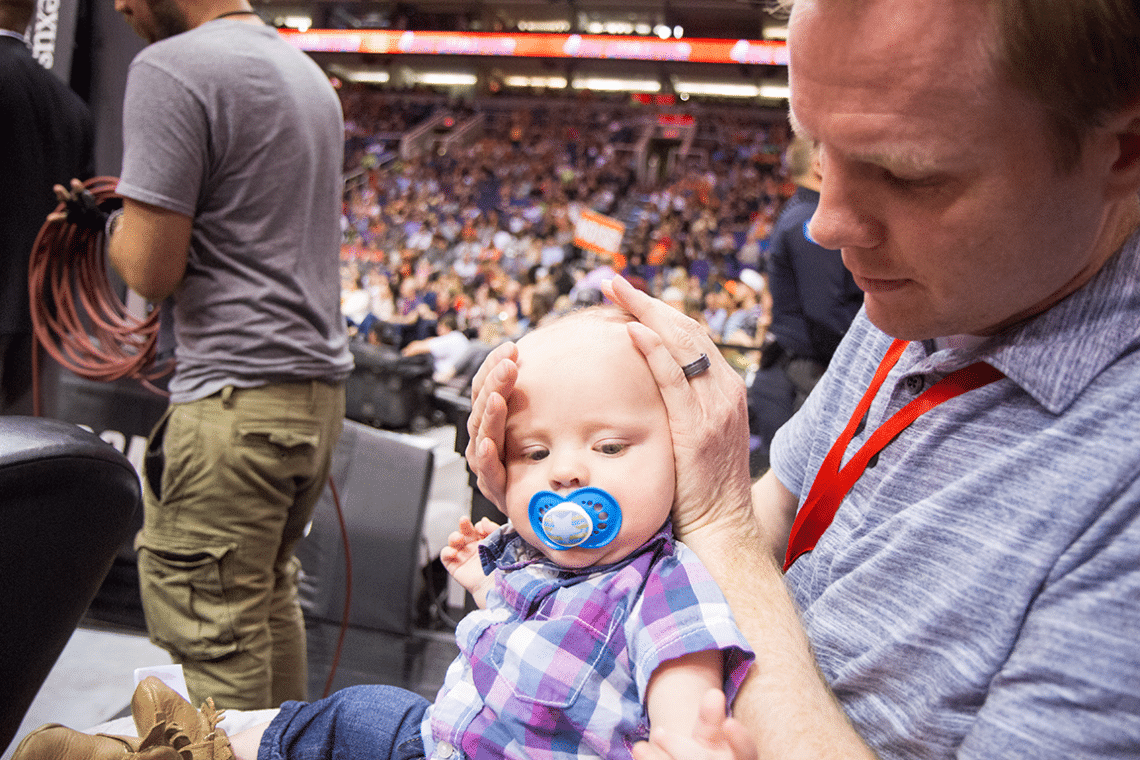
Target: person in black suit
point(46, 137)
point(814, 300)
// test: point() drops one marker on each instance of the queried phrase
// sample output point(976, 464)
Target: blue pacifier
point(587, 517)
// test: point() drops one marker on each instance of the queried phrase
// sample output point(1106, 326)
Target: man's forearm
point(148, 248)
point(785, 701)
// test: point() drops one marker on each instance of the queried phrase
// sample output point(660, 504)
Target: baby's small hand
point(469, 533)
point(715, 737)
point(461, 555)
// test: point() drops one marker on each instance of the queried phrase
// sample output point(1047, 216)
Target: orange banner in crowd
point(600, 46)
point(599, 233)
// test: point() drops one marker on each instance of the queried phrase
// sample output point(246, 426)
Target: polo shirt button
point(444, 750)
point(915, 384)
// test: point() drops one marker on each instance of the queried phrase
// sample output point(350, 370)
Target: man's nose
point(844, 218)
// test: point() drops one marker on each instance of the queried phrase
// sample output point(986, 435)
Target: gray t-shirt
point(978, 593)
point(229, 124)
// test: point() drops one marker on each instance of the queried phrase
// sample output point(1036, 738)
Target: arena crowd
point(481, 230)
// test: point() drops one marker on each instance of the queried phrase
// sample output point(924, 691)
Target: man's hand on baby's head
point(486, 425)
point(707, 413)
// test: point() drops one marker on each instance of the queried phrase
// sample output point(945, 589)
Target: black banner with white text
point(52, 35)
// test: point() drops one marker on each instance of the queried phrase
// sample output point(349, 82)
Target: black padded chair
point(383, 479)
point(67, 500)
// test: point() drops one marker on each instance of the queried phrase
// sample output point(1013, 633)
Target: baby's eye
point(536, 455)
point(611, 448)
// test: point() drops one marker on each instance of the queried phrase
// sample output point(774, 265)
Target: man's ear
point(1125, 129)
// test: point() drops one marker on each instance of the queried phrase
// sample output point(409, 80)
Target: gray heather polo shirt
point(978, 594)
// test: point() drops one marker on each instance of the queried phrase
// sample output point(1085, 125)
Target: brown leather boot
point(55, 742)
point(160, 711)
point(154, 702)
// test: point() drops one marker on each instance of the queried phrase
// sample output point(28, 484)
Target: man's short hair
point(1079, 58)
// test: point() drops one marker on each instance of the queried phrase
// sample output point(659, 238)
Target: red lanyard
point(832, 484)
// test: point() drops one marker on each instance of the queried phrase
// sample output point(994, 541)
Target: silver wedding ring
point(694, 368)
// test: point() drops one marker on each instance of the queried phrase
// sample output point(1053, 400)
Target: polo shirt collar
point(1054, 356)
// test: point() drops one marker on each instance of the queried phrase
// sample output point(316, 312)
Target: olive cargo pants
point(230, 484)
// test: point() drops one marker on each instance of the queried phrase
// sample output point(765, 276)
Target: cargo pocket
point(154, 461)
point(184, 599)
point(282, 437)
point(283, 454)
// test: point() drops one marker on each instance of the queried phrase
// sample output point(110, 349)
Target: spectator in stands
point(383, 300)
point(752, 310)
point(717, 300)
point(536, 303)
point(674, 297)
point(447, 348)
point(414, 314)
point(356, 305)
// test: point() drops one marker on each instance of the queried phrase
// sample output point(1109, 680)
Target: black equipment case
point(390, 391)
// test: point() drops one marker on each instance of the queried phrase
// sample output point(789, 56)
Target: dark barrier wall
point(88, 45)
point(113, 45)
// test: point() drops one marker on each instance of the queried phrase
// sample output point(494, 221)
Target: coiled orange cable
point(77, 317)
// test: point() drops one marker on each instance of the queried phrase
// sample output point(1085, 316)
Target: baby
point(597, 622)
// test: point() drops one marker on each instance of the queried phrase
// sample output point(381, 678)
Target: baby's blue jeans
point(357, 723)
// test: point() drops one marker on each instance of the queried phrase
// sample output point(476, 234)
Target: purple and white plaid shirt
point(558, 664)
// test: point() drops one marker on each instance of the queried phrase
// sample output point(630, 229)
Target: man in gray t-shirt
point(233, 144)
